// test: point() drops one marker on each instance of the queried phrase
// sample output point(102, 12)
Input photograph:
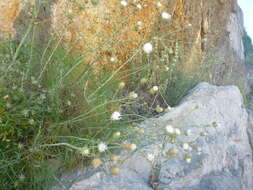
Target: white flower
point(159, 4)
point(133, 146)
point(168, 108)
point(166, 15)
point(133, 95)
point(102, 147)
point(150, 157)
point(116, 116)
point(123, 3)
point(169, 129)
point(147, 48)
point(177, 131)
point(139, 6)
point(155, 88)
point(188, 160)
point(122, 85)
point(139, 23)
point(117, 135)
point(189, 132)
point(113, 59)
point(185, 146)
point(84, 151)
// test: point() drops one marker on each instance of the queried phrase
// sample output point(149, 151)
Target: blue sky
point(247, 7)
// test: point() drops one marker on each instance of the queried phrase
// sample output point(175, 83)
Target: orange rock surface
point(9, 10)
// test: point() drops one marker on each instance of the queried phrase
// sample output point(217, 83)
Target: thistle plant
point(61, 107)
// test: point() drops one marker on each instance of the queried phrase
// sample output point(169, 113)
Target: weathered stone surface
point(224, 164)
point(226, 155)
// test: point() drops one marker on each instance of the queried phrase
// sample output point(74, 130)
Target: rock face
point(90, 24)
point(224, 164)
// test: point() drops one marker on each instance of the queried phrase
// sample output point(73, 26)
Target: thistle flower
point(96, 162)
point(159, 4)
point(133, 147)
point(177, 131)
point(102, 147)
point(139, 6)
point(116, 116)
point(154, 90)
point(169, 129)
point(150, 157)
point(122, 85)
point(159, 109)
point(147, 48)
point(204, 134)
point(133, 95)
point(185, 146)
point(123, 3)
point(117, 135)
point(166, 15)
point(85, 151)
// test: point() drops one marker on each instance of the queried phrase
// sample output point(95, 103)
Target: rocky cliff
point(87, 25)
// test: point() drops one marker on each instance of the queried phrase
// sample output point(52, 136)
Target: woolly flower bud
point(154, 90)
point(177, 131)
point(116, 116)
point(117, 135)
point(113, 59)
point(84, 151)
point(204, 134)
point(123, 3)
point(102, 147)
point(147, 48)
point(96, 162)
point(169, 129)
point(139, 6)
point(185, 146)
point(159, 4)
point(166, 15)
point(159, 109)
point(150, 157)
point(122, 85)
point(133, 147)
point(188, 160)
point(115, 171)
point(133, 95)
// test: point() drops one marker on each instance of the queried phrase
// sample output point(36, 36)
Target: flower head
point(147, 48)
point(116, 116)
point(85, 151)
point(123, 3)
point(150, 157)
point(166, 15)
point(133, 95)
point(169, 129)
point(96, 162)
point(102, 147)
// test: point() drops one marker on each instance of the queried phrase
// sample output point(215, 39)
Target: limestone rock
point(225, 161)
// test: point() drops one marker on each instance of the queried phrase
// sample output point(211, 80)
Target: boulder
point(224, 163)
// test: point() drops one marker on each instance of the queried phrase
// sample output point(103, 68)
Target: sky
point(247, 8)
